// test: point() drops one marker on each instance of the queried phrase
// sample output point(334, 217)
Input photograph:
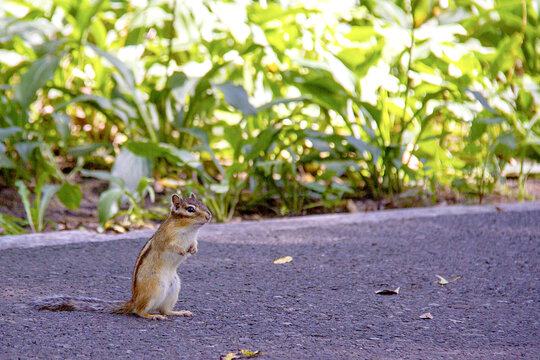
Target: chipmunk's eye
point(190, 209)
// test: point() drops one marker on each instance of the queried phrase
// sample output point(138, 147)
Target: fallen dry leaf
point(443, 281)
point(351, 206)
point(387, 292)
point(241, 354)
point(283, 260)
point(426, 316)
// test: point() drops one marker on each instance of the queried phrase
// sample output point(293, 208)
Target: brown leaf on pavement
point(426, 316)
point(387, 292)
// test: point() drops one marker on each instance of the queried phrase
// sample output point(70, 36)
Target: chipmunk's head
point(189, 210)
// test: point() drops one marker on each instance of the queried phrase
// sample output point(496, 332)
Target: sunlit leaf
point(70, 195)
point(41, 71)
point(236, 96)
point(108, 204)
point(443, 281)
point(283, 260)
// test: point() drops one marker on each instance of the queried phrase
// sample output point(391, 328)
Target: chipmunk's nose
point(208, 216)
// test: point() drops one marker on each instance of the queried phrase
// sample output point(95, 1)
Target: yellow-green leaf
point(283, 260)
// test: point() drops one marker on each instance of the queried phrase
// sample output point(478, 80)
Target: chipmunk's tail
point(68, 303)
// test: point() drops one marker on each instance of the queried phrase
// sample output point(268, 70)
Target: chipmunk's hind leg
point(171, 298)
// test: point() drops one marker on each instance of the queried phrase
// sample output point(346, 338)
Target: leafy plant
point(35, 210)
point(111, 199)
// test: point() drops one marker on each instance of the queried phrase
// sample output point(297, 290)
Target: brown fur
point(153, 264)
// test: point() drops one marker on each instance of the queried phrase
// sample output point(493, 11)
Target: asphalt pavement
point(321, 305)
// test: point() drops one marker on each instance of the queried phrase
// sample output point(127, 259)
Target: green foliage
point(111, 199)
point(35, 210)
point(281, 105)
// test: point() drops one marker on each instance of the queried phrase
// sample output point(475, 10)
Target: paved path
point(322, 305)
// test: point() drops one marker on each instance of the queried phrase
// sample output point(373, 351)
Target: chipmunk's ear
point(175, 201)
point(192, 196)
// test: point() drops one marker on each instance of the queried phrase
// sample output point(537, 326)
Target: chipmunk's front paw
point(181, 251)
point(192, 249)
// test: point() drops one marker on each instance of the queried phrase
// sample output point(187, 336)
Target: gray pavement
point(322, 305)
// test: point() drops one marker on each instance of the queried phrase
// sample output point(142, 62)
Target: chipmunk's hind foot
point(185, 313)
point(152, 316)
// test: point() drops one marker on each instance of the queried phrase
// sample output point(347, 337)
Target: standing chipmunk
point(155, 284)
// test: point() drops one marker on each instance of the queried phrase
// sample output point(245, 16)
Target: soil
point(59, 218)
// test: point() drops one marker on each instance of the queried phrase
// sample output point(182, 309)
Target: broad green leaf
point(361, 33)
point(126, 72)
point(41, 71)
point(478, 96)
point(478, 128)
point(219, 188)
point(5, 162)
point(103, 175)
point(508, 140)
point(63, 125)
point(118, 108)
point(70, 195)
point(131, 169)
point(236, 96)
point(108, 204)
point(491, 121)
point(153, 150)
point(86, 149)
point(281, 101)
point(7, 132)
point(25, 149)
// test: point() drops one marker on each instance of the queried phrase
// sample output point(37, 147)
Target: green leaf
point(478, 96)
point(70, 195)
point(219, 188)
point(143, 184)
point(127, 74)
point(7, 132)
point(108, 204)
point(63, 125)
point(361, 33)
point(508, 140)
point(24, 193)
point(237, 96)
point(151, 150)
point(103, 175)
point(281, 101)
point(41, 71)
point(25, 149)
point(86, 149)
point(5, 162)
point(47, 192)
point(9, 223)
point(131, 168)
point(478, 128)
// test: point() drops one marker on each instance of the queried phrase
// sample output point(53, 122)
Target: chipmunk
point(155, 284)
